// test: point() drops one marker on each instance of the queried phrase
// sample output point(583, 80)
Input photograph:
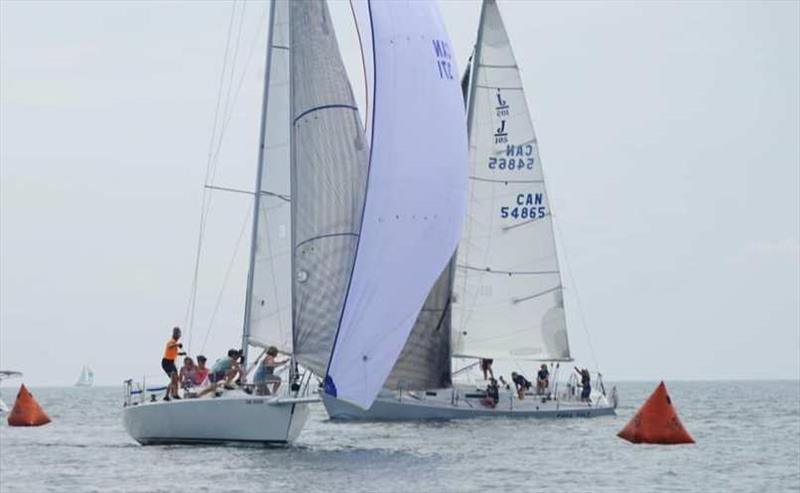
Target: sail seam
point(323, 107)
point(505, 88)
point(496, 66)
point(489, 180)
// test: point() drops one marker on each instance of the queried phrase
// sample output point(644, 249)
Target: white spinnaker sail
point(329, 173)
point(415, 197)
point(509, 301)
point(270, 311)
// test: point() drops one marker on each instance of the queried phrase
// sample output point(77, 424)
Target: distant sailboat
point(350, 230)
point(87, 377)
point(507, 301)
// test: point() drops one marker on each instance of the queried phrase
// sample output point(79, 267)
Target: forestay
point(509, 300)
point(328, 177)
point(270, 302)
point(415, 197)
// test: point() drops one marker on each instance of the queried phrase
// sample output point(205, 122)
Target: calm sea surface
point(748, 439)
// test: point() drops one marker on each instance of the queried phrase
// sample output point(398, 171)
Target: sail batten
point(509, 295)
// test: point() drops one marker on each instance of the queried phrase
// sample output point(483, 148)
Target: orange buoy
point(26, 411)
point(656, 422)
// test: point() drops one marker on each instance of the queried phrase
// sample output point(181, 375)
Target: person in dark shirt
point(486, 366)
point(542, 379)
point(492, 394)
point(520, 383)
point(586, 384)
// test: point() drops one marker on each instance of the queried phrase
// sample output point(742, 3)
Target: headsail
point(415, 196)
point(509, 301)
point(328, 179)
point(270, 299)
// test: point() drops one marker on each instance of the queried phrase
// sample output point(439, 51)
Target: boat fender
point(26, 411)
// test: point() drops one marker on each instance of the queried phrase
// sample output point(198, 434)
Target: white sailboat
point(351, 229)
point(4, 374)
point(86, 378)
point(507, 301)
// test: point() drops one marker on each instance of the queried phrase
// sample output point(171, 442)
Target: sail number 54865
point(510, 163)
point(523, 212)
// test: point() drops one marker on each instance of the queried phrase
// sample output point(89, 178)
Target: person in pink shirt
point(200, 371)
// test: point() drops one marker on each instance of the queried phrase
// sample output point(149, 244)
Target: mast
point(473, 70)
point(248, 300)
point(292, 194)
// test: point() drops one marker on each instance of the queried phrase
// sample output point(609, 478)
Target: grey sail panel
point(329, 173)
point(270, 303)
point(424, 362)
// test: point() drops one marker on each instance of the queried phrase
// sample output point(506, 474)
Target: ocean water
point(748, 439)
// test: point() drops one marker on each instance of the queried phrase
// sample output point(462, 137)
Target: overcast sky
point(668, 132)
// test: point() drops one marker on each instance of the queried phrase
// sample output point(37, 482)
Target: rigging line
point(577, 298)
point(227, 111)
point(213, 155)
point(225, 280)
point(193, 290)
point(228, 115)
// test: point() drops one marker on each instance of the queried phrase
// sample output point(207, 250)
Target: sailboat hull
point(235, 417)
point(442, 404)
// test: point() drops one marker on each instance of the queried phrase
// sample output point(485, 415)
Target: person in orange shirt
point(171, 352)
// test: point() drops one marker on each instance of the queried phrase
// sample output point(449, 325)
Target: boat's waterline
point(235, 417)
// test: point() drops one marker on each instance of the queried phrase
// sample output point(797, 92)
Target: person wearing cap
point(171, 353)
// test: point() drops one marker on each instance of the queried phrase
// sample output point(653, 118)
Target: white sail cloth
point(270, 304)
point(415, 195)
point(508, 289)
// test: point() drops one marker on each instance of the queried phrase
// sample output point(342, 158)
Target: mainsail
point(509, 301)
point(329, 170)
point(270, 295)
point(415, 198)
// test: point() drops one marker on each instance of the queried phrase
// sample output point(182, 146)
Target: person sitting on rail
point(200, 371)
point(492, 394)
point(520, 383)
point(542, 380)
point(187, 373)
point(265, 373)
